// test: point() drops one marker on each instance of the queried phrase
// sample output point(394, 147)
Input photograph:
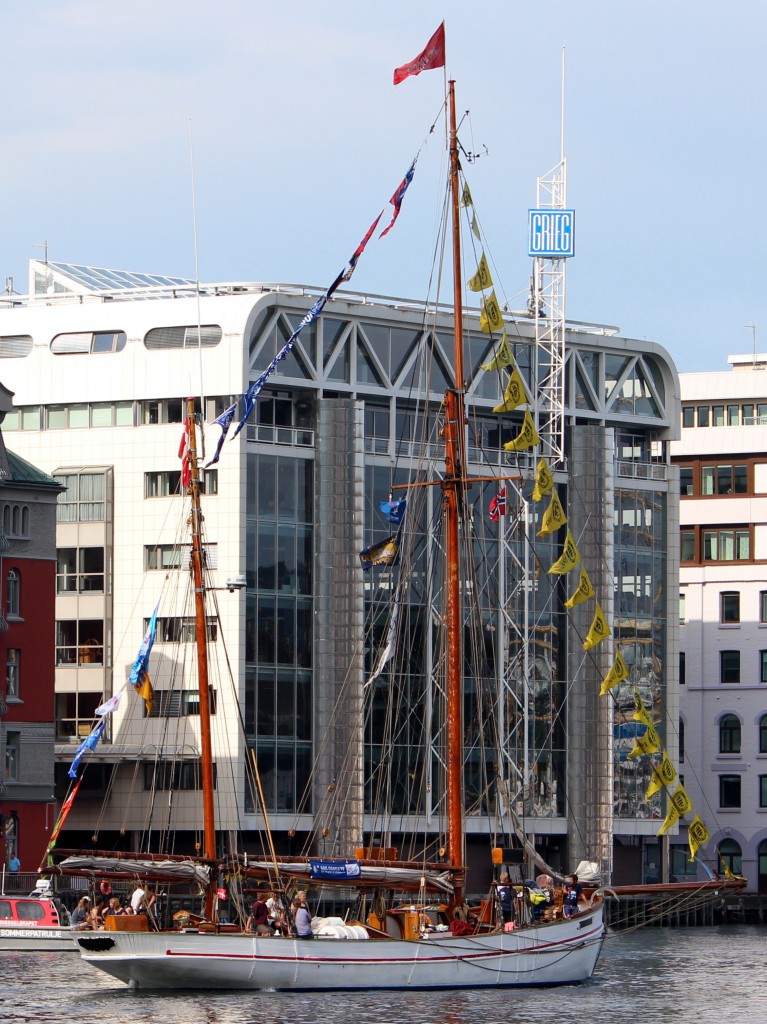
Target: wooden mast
point(452, 500)
point(201, 632)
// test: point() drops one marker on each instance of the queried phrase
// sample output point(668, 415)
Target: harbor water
point(654, 975)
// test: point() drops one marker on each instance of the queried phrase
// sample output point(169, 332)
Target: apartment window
point(748, 415)
point(12, 661)
point(724, 479)
point(718, 416)
point(13, 594)
point(729, 666)
point(733, 415)
point(726, 545)
point(174, 775)
point(761, 413)
point(729, 607)
point(763, 790)
point(687, 538)
point(729, 735)
point(12, 755)
point(164, 557)
point(177, 629)
point(74, 716)
point(704, 416)
point(682, 668)
point(165, 484)
point(84, 497)
point(686, 481)
point(763, 606)
point(179, 703)
point(729, 790)
point(79, 642)
point(763, 734)
point(80, 571)
point(108, 414)
point(688, 416)
point(682, 608)
point(763, 666)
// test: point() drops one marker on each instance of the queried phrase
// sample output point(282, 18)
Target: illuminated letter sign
point(552, 233)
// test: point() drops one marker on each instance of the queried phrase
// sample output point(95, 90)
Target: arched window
point(15, 521)
point(25, 520)
point(13, 593)
point(730, 854)
point(763, 734)
point(6, 519)
point(729, 735)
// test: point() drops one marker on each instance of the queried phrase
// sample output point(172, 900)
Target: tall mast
point(201, 631)
point(452, 495)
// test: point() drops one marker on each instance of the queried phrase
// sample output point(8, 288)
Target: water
point(653, 976)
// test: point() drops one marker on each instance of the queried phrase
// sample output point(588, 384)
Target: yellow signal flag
point(526, 438)
point(466, 199)
point(641, 713)
point(491, 318)
point(475, 227)
point(144, 689)
point(514, 394)
point(648, 743)
point(681, 800)
point(672, 817)
point(554, 517)
point(663, 775)
point(544, 480)
point(502, 357)
point(617, 673)
point(583, 591)
point(598, 631)
point(482, 279)
point(697, 835)
point(569, 558)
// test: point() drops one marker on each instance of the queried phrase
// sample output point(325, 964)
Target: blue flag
point(224, 421)
point(87, 744)
point(394, 510)
point(142, 658)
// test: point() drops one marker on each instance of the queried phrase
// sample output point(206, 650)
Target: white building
point(722, 460)
point(100, 362)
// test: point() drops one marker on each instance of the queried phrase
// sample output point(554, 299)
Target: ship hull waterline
point(554, 954)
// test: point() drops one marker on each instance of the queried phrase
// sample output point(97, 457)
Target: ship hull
point(560, 953)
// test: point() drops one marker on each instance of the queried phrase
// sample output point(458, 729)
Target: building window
point(724, 479)
point(729, 735)
point(729, 666)
point(84, 498)
point(688, 416)
point(165, 484)
point(730, 855)
point(74, 715)
point(726, 545)
point(687, 553)
point(164, 557)
point(733, 415)
point(682, 668)
point(763, 606)
point(163, 338)
point(12, 756)
point(763, 666)
point(704, 416)
point(718, 416)
point(174, 775)
point(12, 663)
point(682, 608)
point(16, 520)
point(686, 484)
point(748, 415)
point(80, 571)
point(13, 594)
point(763, 790)
point(88, 341)
point(175, 629)
point(179, 703)
point(729, 606)
point(79, 642)
point(729, 790)
point(763, 734)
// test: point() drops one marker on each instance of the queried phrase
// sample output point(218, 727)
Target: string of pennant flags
point(648, 743)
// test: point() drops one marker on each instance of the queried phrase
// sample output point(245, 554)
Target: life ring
point(106, 888)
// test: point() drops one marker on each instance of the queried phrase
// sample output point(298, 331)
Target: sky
point(282, 121)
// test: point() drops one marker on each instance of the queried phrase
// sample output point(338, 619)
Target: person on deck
point(302, 920)
point(573, 893)
point(79, 919)
point(258, 921)
point(137, 899)
point(506, 899)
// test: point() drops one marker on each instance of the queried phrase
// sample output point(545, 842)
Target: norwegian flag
point(183, 454)
point(497, 506)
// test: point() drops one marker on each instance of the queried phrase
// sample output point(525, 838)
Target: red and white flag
point(432, 56)
point(497, 506)
point(183, 454)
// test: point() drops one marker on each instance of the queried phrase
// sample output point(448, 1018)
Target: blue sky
point(300, 138)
